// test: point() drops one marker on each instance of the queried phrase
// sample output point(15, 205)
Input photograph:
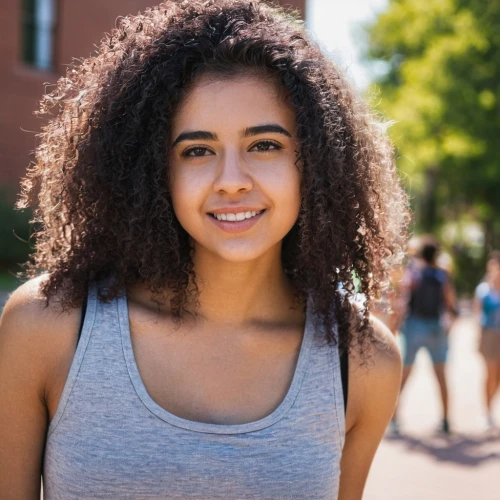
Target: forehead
point(244, 100)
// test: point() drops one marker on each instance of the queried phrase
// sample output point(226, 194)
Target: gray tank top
point(110, 440)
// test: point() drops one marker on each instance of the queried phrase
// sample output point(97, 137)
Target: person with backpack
point(429, 294)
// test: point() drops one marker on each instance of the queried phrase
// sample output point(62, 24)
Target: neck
point(243, 292)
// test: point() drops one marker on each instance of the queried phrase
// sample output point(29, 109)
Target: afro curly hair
point(101, 170)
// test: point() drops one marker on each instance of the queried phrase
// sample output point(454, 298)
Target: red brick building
point(39, 38)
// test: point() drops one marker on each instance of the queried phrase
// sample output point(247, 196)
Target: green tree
point(442, 89)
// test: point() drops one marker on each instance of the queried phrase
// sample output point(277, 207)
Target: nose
point(232, 176)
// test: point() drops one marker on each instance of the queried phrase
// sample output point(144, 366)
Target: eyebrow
point(202, 135)
point(198, 135)
point(272, 128)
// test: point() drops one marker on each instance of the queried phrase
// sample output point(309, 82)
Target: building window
point(38, 30)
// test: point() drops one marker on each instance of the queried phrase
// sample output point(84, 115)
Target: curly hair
point(101, 170)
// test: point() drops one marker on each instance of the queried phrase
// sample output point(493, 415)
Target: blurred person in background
point(430, 295)
point(391, 308)
point(487, 308)
point(445, 262)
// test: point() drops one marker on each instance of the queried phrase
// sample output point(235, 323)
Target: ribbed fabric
point(110, 440)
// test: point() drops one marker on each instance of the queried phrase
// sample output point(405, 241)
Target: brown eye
point(196, 151)
point(265, 146)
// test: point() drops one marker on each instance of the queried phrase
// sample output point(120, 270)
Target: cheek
point(187, 185)
point(186, 193)
point(177, 192)
point(288, 185)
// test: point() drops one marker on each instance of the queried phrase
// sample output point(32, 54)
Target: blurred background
point(432, 71)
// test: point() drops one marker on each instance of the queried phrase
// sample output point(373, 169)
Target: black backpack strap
point(344, 375)
point(82, 320)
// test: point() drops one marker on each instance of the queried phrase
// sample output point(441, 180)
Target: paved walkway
point(422, 465)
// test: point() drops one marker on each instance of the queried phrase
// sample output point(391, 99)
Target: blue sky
point(335, 24)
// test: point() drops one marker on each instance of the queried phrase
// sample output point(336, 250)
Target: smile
point(236, 217)
point(236, 222)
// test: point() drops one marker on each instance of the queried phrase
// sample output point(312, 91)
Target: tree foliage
point(442, 89)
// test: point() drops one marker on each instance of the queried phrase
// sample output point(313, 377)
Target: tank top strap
point(99, 349)
point(324, 381)
point(108, 312)
point(86, 330)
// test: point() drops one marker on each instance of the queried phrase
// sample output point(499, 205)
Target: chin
point(239, 252)
point(237, 256)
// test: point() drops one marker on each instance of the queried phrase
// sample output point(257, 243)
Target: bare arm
point(30, 357)
point(477, 310)
point(450, 298)
point(373, 392)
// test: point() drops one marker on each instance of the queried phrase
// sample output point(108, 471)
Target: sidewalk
point(422, 465)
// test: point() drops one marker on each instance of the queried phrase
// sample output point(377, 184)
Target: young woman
point(487, 307)
point(208, 191)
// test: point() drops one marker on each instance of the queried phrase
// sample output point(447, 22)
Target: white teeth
point(236, 217)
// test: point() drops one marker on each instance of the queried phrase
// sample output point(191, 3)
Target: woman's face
point(234, 183)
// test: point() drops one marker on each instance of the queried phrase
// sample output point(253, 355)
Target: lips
point(235, 220)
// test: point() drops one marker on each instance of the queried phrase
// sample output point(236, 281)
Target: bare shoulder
point(37, 334)
point(382, 354)
point(28, 313)
point(27, 298)
point(375, 373)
